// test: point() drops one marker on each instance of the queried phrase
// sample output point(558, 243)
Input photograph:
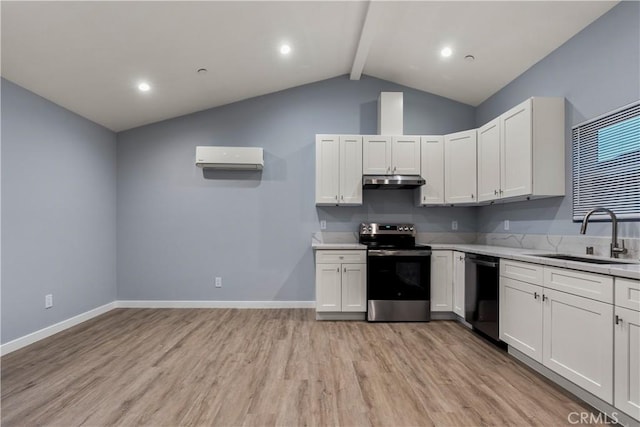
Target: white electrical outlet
point(323, 225)
point(218, 282)
point(506, 224)
point(454, 225)
point(48, 301)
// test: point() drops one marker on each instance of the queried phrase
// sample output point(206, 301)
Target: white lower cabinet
point(341, 281)
point(458, 283)
point(521, 316)
point(627, 361)
point(354, 287)
point(441, 281)
point(568, 333)
point(578, 341)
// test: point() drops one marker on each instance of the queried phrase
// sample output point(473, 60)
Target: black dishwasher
point(481, 293)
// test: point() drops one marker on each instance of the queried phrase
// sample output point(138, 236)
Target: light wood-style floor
point(229, 367)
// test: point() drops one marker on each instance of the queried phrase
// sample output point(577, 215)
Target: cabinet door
point(441, 283)
point(327, 169)
point(328, 287)
point(350, 170)
point(432, 170)
point(627, 362)
point(460, 167)
point(376, 155)
point(458, 283)
point(354, 287)
point(516, 153)
point(578, 341)
point(489, 161)
point(405, 155)
point(521, 316)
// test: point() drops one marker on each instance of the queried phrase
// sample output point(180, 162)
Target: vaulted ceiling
point(90, 56)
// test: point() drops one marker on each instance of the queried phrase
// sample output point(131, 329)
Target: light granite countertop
point(631, 271)
point(328, 246)
point(348, 241)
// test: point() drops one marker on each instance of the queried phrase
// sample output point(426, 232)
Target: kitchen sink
point(589, 260)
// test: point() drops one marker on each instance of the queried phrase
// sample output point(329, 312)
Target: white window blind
point(606, 164)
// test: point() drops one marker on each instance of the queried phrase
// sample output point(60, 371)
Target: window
point(606, 164)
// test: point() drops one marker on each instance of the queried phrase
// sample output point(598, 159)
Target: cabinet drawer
point(341, 257)
point(522, 271)
point(589, 285)
point(627, 293)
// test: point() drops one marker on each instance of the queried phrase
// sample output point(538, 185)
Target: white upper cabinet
point(432, 170)
point(515, 150)
point(350, 170)
point(489, 161)
point(386, 155)
point(460, 167)
point(521, 153)
point(376, 155)
point(338, 170)
point(327, 169)
point(405, 155)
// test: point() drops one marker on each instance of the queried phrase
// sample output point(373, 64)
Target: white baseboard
point(618, 416)
point(24, 341)
point(33, 337)
point(214, 304)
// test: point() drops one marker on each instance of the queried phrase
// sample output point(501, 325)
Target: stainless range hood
point(392, 182)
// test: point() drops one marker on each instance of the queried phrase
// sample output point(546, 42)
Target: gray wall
point(58, 213)
point(179, 228)
point(597, 71)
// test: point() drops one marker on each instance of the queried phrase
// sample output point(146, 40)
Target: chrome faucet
point(615, 250)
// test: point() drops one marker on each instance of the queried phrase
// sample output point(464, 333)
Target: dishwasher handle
point(484, 261)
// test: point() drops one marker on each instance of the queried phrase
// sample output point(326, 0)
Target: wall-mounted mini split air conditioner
point(230, 158)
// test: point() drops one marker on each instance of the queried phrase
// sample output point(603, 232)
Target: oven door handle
point(398, 252)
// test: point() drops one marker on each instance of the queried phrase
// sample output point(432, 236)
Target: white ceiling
point(89, 56)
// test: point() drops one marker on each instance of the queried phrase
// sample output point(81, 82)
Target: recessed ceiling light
point(144, 87)
point(202, 71)
point(469, 58)
point(446, 52)
point(285, 49)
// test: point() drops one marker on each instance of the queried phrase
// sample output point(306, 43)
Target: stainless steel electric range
point(398, 273)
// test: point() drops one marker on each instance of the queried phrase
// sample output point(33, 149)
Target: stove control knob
point(369, 228)
point(410, 228)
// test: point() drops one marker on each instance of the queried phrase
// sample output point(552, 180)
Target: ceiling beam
point(366, 38)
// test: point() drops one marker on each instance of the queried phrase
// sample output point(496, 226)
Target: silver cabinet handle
point(342, 197)
point(336, 197)
point(544, 297)
point(535, 295)
point(501, 191)
point(472, 195)
point(338, 269)
point(424, 198)
point(495, 192)
point(618, 319)
point(394, 169)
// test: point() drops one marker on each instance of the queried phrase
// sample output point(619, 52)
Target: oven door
point(398, 285)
